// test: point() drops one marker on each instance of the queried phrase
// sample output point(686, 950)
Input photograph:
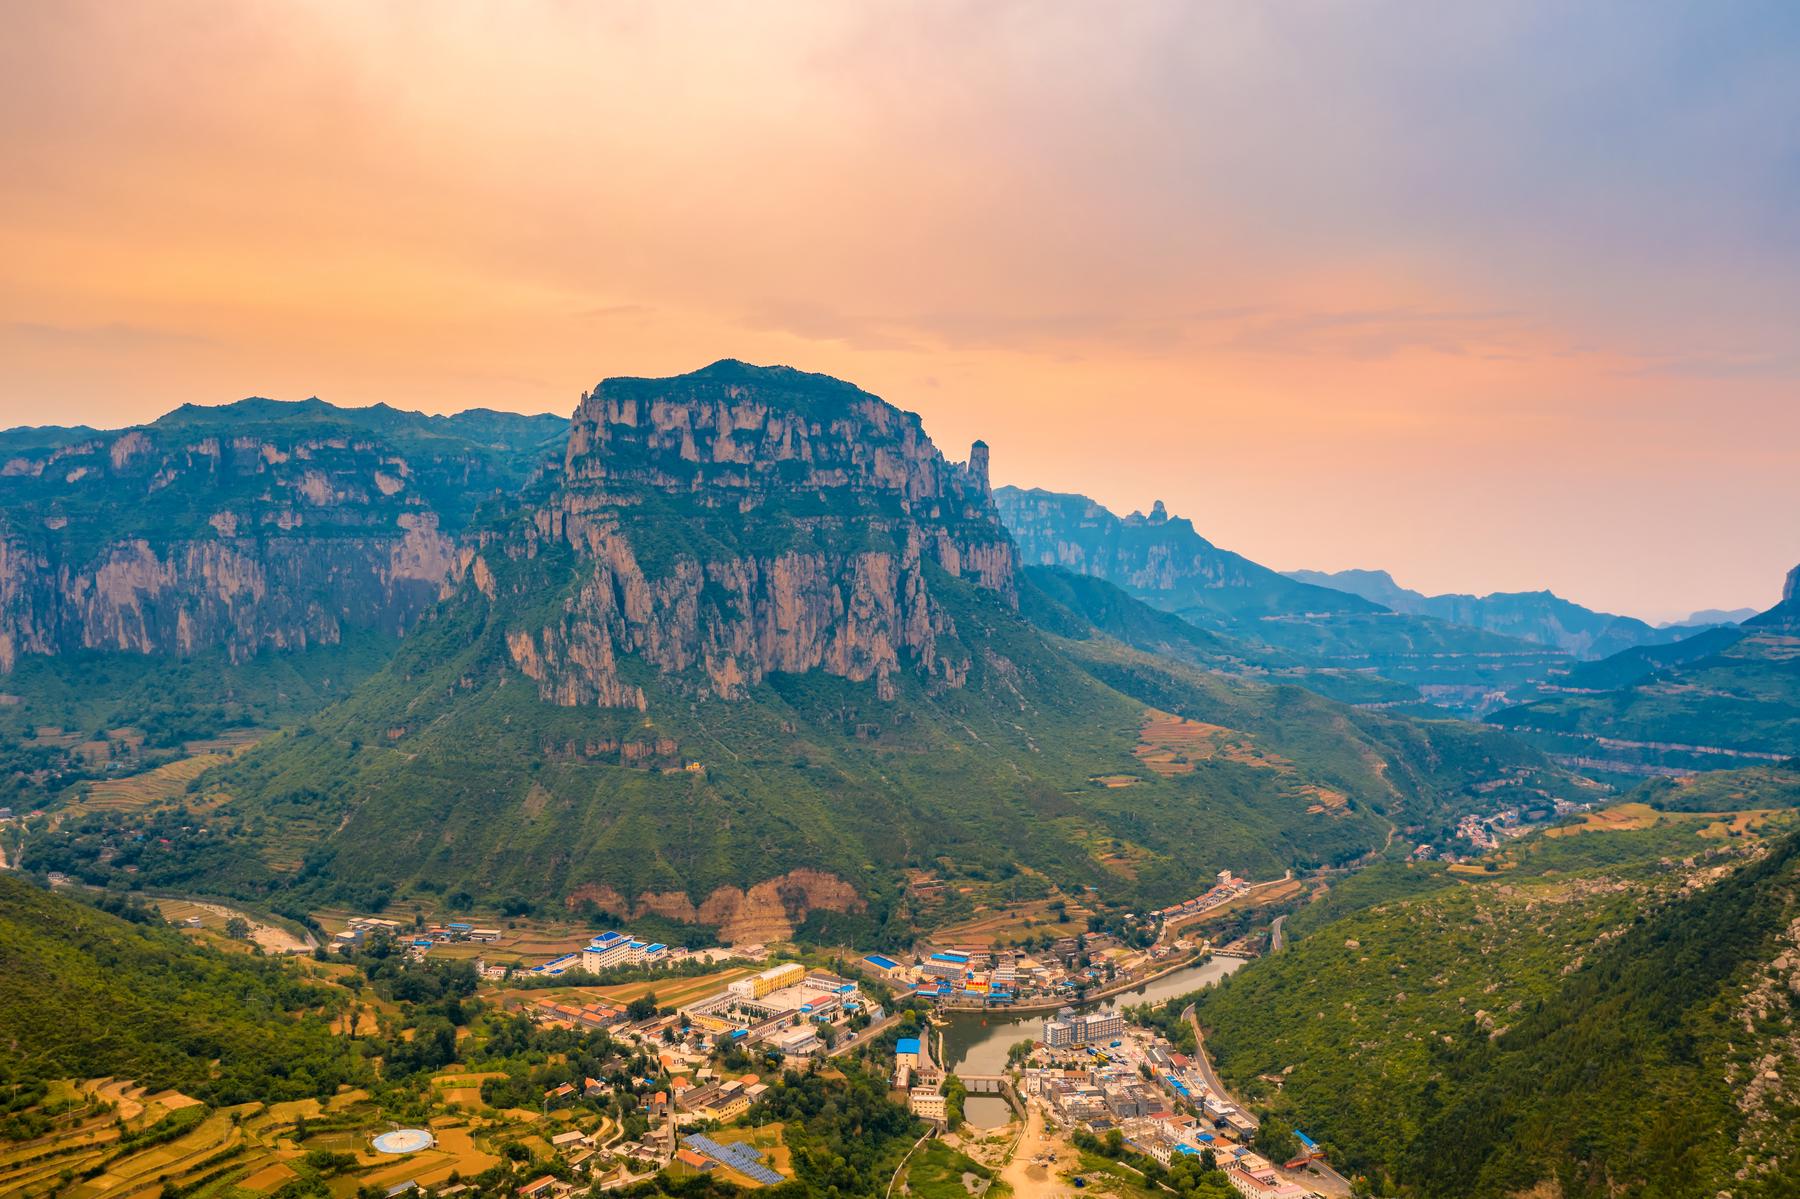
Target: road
point(1203, 1063)
point(1277, 938)
point(868, 1034)
point(1319, 1175)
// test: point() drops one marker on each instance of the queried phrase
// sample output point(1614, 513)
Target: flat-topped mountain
point(742, 520)
point(1158, 557)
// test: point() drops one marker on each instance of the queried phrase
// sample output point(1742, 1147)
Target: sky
point(1493, 296)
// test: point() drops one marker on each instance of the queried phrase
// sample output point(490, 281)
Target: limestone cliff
point(743, 520)
point(249, 527)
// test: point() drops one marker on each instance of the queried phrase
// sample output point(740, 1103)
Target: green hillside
point(761, 655)
point(1102, 607)
point(1722, 698)
point(419, 779)
point(86, 994)
point(1579, 1014)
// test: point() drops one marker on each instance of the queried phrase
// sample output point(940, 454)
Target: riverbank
point(1038, 1007)
point(977, 1041)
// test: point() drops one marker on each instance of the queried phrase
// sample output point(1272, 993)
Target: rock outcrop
point(768, 911)
point(741, 521)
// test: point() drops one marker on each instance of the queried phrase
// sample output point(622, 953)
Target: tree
point(237, 928)
point(643, 1007)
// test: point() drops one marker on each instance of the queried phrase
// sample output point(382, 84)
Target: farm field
point(117, 1142)
point(1012, 923)
point(672, 991)
point(211, 917)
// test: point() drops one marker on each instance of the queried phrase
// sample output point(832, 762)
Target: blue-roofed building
point(884, 964)
point(950, 955)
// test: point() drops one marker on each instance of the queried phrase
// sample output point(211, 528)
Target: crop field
point(1170, 745)
point(1013, 922)
point(1617, 818)
point(155, 786)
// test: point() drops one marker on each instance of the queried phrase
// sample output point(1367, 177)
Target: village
point(681, 1062)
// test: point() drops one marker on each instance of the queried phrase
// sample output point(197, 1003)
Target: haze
point(1496, 297)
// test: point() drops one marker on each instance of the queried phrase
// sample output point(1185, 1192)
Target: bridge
point(985, 1084)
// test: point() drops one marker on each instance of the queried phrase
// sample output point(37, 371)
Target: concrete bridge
point(985, 1084)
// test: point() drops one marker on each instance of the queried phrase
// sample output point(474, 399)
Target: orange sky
point(1495, 300)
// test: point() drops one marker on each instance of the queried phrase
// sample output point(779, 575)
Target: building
point(927, 1103)
point(906, 1051)
point(1087, 1028)
point(787, 974)
point(1101, 1026)
point(799, 1042)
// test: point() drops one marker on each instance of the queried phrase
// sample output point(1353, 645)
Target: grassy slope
point(1744, 696)
point(1053, 594)
point(446, 768)
point(1385, 1004)
point(87, 994)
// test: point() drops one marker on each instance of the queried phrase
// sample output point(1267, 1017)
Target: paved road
point(1277, 938)
point(1329, 1181)
point(1204, 1063)
point(868, 1034)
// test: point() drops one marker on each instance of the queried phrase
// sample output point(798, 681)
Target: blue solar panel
point(745, 1159)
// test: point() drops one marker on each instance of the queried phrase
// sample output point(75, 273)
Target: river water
point(976, 1042)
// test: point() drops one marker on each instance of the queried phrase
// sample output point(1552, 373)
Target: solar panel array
point(745, 1159)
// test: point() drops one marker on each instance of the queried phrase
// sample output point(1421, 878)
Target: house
point(539, 1188)
point(695, 1161)
point(572, 1139)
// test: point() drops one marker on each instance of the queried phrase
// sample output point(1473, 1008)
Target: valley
point(613, 801)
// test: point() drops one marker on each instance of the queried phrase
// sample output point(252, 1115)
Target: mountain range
point(1540, 616)
point(746, 652)
point(1163, 561)
point(1726, 696)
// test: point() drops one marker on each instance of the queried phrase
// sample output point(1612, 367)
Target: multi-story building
point(927, 1103)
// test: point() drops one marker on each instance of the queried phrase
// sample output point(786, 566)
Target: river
point(976, 1042)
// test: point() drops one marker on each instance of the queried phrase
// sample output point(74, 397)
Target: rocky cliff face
point(741, 521)
point(251, 527)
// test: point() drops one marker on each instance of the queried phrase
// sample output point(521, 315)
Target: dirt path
point(1038, 1161)
point(272, 938)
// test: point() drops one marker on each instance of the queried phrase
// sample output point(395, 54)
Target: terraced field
point(1170, 745)
point(116, 1142)
point(138, 791)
